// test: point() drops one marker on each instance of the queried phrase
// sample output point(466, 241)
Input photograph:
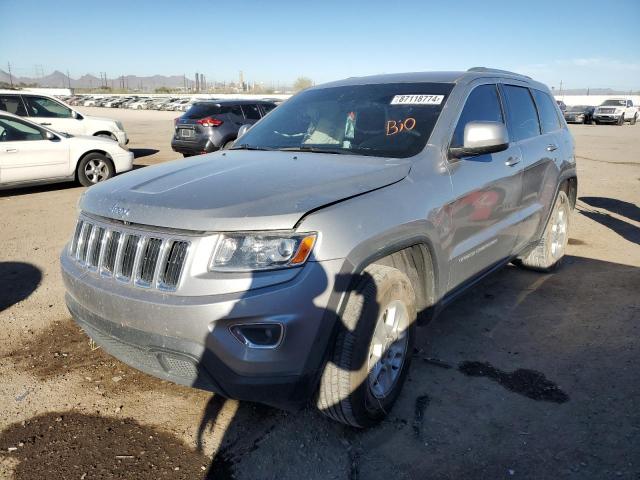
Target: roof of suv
point(434, 77)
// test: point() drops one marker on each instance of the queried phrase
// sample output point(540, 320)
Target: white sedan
point(32, 154)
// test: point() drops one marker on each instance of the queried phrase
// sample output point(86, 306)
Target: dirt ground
point(527, 376)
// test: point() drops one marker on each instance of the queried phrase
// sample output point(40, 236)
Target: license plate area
point(186, 133)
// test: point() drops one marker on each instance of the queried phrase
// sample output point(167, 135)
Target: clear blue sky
point(325, 39)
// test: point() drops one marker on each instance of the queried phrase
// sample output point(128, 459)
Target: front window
point(613, 103)
point(389, 120)
point(46, 107)
point(13, 130)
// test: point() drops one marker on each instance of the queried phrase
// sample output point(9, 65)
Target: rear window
point(202, 110)
point(547, 112)
point(523, 118)
point(12, 104)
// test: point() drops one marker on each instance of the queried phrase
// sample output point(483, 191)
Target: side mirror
point(76, 115)
point(50, 136)
point(482, 138)
point(243, 129)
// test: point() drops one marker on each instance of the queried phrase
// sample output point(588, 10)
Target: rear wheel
point(94, 168)
point(549, 251)
point(372, 351)
point(634, 119)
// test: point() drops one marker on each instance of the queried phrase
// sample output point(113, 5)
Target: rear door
point(534, 125)
point(484, 216)
point(26, 154)
point(52, 114)
point(13, 104)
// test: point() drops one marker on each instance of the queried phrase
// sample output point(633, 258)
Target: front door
point(487, 188)
point(27, 155)
point(52, 114)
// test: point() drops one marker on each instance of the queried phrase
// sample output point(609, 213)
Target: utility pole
point(184, 83)
point(10, 76)
point(68, 80)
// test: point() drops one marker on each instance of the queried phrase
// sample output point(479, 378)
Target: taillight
point(209, 122)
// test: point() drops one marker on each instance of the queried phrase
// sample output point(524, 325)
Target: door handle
point(551, 147)
point(11, 150)
point(511, 161)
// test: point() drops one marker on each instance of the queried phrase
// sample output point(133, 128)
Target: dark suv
point(213, 125)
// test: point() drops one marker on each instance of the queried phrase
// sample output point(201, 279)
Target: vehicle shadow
point(49, 187)
point(143, 152)
point(514, 319)
point(18, 280)
point(613, 205)
point(623, 228)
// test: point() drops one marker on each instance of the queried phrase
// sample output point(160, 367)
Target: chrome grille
point(149, 260)
point(130, 255)
point(606, 110)
point(173, 264)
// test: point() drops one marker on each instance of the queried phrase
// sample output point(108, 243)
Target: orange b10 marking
point(394, 127)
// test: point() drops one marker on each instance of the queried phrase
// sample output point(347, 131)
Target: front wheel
point(634, 119)
point(549, 251)
point(621, 120)
point(94, 168)
point(371, 355)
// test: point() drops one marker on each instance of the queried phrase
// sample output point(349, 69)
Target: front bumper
point(123, 162)
point(122, 137)
point(607, 118)
point(187, 340)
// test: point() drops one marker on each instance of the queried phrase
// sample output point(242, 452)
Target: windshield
point(613, 103)
point(389, 120)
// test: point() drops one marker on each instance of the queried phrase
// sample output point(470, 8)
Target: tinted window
point(523, 118)
point(388, 120)
point(251, 112)
point(12, 130)
point(235, 110)
point(12, 104)
point(45, 107)
point(482, 105)
point(546, 111)
point(613, 103)
point(267, 107)
point(202, 110)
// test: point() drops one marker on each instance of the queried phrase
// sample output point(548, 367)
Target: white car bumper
point(123, 162)
point(122, 138)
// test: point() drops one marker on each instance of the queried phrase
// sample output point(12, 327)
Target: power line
point(10, 76)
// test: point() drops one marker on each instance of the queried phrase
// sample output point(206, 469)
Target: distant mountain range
point(59, 79)
point(590, 91)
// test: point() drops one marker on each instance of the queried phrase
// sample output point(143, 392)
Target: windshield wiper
point(308, 148)
point(246, 146)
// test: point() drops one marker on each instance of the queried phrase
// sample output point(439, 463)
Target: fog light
point(259, 335)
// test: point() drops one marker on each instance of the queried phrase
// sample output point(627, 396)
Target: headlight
point(243, 252)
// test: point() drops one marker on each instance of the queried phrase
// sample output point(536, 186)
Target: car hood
point(239, 190)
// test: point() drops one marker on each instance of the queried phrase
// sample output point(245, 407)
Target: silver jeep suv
point(295, 266)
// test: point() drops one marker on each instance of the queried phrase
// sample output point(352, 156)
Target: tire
point(621, 120)
point(348, 391)
point(548, 253)
point(634, 120)
point(94, 168)
point(596, 122)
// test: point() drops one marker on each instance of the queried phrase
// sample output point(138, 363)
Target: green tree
point(301, 83)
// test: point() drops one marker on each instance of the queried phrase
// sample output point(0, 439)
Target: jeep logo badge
point(120, 211)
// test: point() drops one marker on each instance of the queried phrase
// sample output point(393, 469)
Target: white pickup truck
point(616, 110)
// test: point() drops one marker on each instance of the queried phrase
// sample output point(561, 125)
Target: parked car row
point(616, 111)
point(139, 102)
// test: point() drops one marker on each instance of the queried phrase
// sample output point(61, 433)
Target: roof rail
point(495, 70)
